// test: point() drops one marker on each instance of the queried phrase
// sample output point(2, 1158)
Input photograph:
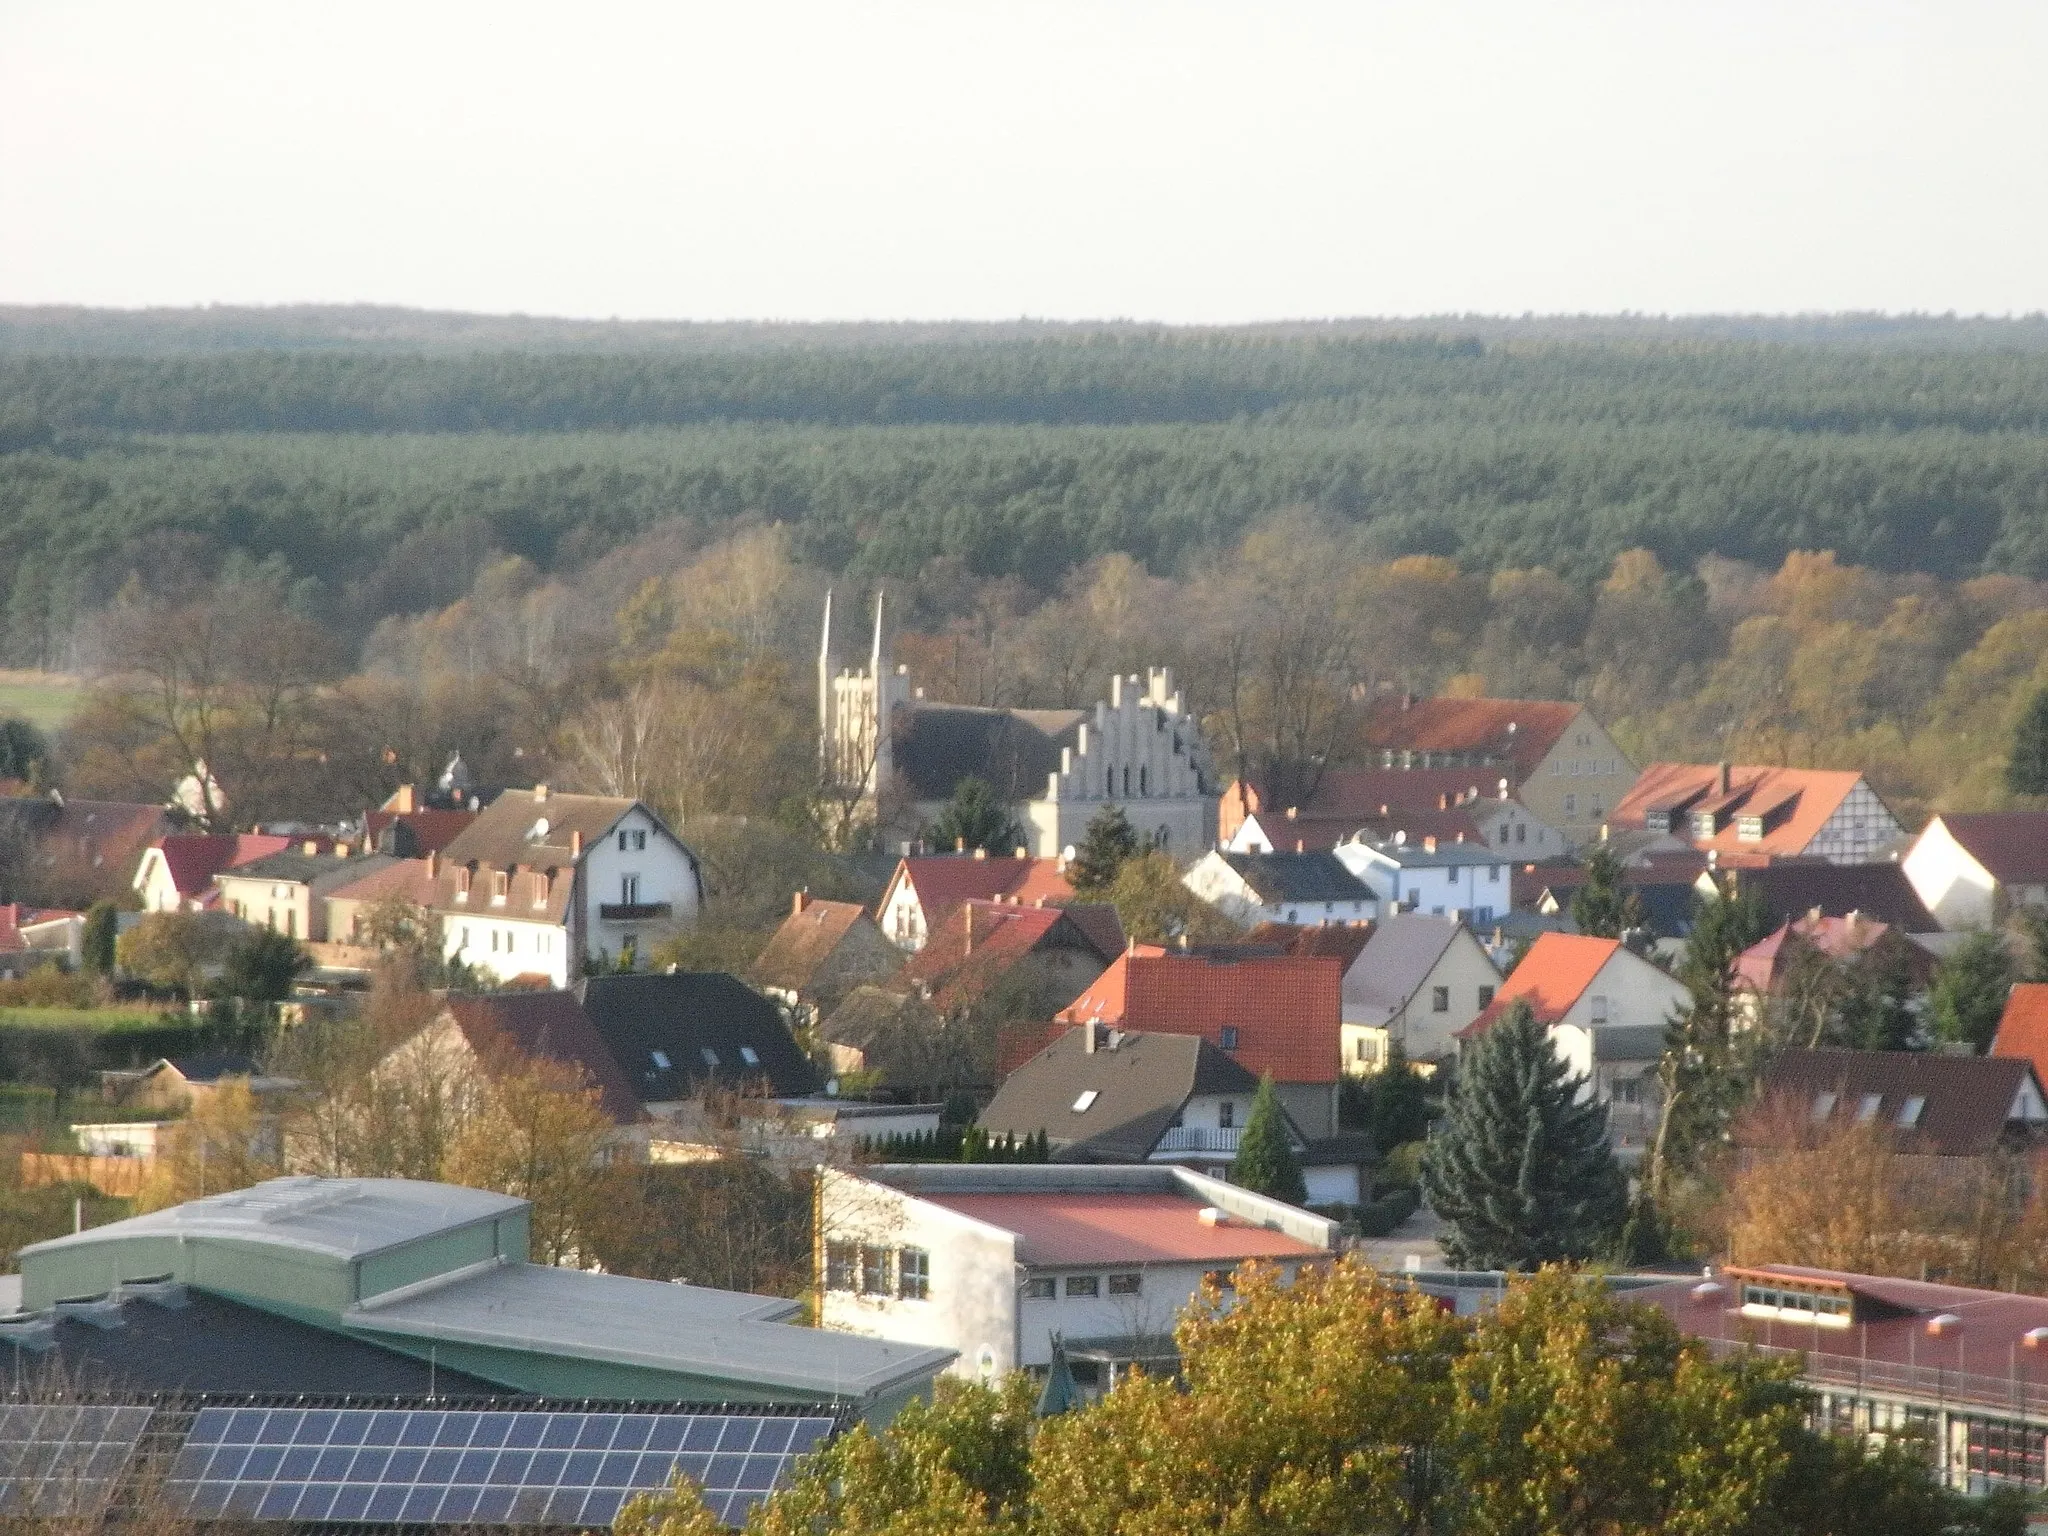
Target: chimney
point(433, 864)
point(1298, 845)
point(969, 909)
point(1023, 853)
point(312, 847)
point(1443, 801)
point(1721, 775)
point(979, 853)
point(1383, 808)
point(1088, 1037)
point(1294, 813)
point(576, 843)
point(1429, 843)
point(798, 902)
point(1603, 831)
point(402, 802)
point(1459, 838)
point(1407, 701)
point(341, 850)
point(540, 794)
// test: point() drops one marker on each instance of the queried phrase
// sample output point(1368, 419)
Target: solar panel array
point(420, 1466)
point(64, 1458)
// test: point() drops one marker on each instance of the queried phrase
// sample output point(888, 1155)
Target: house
point(72, 853)
point(351, 903)
point(542, 883)
point(1789, 889)
point(330, 1287)
point(1278, 1014)
point(898, 1037)
point(34, 936)
point(1560, 762)
point(176, 1087)
point(2023, 1027)
point(477, 1036)
point(1291, 888)
point(1616, 1065)
point(287, 892)
point(407, 826)
point(1027, 955)
point(925, 889)
point(1763, 970)
point(899, 757)
point(1746, 814)
point(1416, 981)
point(176, 872)
point(678, 1034)
point(1444, 803)
point(991, 1260)
point(1932, 1104)
point(1105, 1095)
point(1970, 868)
point(822, 951)
point(1438, 878)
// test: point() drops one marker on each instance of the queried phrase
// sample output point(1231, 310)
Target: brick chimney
point(576, 843)
point(312, 847)
point(433, 864)
point(968, 909)
point(797, 903)
point(1721, 775)
point(403, 802)
point(1429, 844)
point(540, 794)
point(1294, 813)
point(979, 853)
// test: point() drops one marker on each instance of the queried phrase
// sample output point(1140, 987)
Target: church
point(902, 756)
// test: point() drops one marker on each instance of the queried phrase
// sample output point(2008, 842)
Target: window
point(1486, 997)
point(1867, 1107)
point(543, 885)
point(874, 1271)
point(1226, 1114)
point(1439, 999)
point(660, 1059)
point(1493, 874)
point(1571, 805)
point(750, 1056)
point(494, 941)
point(1521, 832)
point(1823, 1105)
point(913, 1274)
point(710, 1056)
point(1599, 1009)
point(1126, 1285)
point(633, 842)
point(1042, 1288)
point(1084, 1285)
point(1628, 1090)
point(501, 883)
point(840, 1259)
point(629, 890)
point(1909, 1112)
point(1087, 1098)
point(1144, 779)
point(1222, 1279)
point(1229, 1033)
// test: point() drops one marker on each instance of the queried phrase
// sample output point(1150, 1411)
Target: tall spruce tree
point(1969, 991)
point(2026, 770)
point(1521, 1171)
point(1265, 1162)
point(975, 818)
point(1603, 907)
point(1110, 843)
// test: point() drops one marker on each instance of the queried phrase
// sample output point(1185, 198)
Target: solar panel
point(64, 1458)
point(463, 1466)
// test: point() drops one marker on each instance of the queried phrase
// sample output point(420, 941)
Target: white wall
point(504, 949)
point(1946, 876)
point(902, 917)
point(153, 880)
point(666, 873)
point(1479, 887)
point(1627, 990)
point(1424, 1034)
point(1212, 879)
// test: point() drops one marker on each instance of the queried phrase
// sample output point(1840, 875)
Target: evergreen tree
point(1969, 991)
point(2026, 770)
point(1265, 1162)
point(974, 818)
point(1521, 1170)
point(263, 966)
point(1110, 843)
point(96, 945)
point(1603, 909)
point(1397, 1103)
point(1700, 1081)
point(23, 751)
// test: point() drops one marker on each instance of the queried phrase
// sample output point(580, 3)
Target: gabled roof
point(982, 940)
point(1796, 803)
point(1286, 1011)
point(704, 1024)
point(193, 859)
point(294, 866)
point(1342, 942)
point(942, 881)
point(934, 746)
point(2023, 1027)
point(1794, 888)
point(1279, 878)
point(537, 828)
point(415, 833)
point(1099, 920)
point(804, 942)
point(1105, 997)
point(545, 1026)
point(101, 832)
point(1402, 952)
point(405, 878)
point(1517, 731)
point(1966, 1101)
point(2011, 845)
point(1553, 975)
point(1761, 966)
point(1136, 1083)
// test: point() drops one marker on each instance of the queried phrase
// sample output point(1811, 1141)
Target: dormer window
point(501, 885)
point(543, 885)
point(1229, 1034)
point(462, 885)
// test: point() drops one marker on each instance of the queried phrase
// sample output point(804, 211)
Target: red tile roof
point(2011, 845)
point(943, 881)
point(1796, 802)
point(979, 941)
point(2023, 1027)
point(804, 942)
point(1057, 1229)
point(432, 831)
point(1519, 731)
point(1103, 1002)
point(1286, 1011)
point(1552, 976)
point(193, 859)
point(550, 1026)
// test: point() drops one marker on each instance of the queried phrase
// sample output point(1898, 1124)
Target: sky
point(976, 159)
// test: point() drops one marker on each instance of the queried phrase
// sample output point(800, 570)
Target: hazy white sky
point(1178, 161)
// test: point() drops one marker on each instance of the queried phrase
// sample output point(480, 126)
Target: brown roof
point(431, 830)
point(1139, 1084)
point(1794, 802)
point(509, 833)
point(2011, 845)
point(546, 1026)
point(942, 881)
point(980, 941)
point(1967, 1100)
point(407, 878)
point(1099, 921)
point(804, 942)
point(1520, 732)
point(1795, 888)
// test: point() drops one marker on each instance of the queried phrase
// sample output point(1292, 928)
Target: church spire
point(825, 672)
point(875, 660)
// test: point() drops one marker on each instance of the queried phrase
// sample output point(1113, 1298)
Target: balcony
point(632, 911)
point(1199, 1138)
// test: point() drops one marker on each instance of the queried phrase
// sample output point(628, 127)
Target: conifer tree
point(1969, 991)
point(1603, 909)
point(1265, 1162)
point(2026, 770)
point(1110, 843)
point(975, 818)
point(1521, 1171)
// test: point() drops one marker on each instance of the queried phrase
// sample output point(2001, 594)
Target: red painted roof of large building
point(193, 859)
point(1057, 1229)
point(1517, 731)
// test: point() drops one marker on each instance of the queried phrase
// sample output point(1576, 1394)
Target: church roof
point(1015, 751)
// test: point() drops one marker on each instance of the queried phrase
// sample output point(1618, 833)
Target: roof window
point(1087, 1098)
point(710, 1056)
point(1823, 1105)
point(1229, 1033)
point(750, 1056)
point(1867, 1107)
point(1910, 1111)
point(660, 1059)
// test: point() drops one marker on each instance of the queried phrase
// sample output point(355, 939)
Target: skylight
point(750, 1056)
point(1088, 1097)
point(1867, 1107)
point(1823, 1105)
point(710, 1056)
point(1909, 1112)
point(660, 1059)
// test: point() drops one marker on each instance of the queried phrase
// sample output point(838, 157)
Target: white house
point(1962, 866)
point(927, 889)
point(1298, 888)
point(1439, 878)
point(541, 882)
point(993, 1259)
point(1416, 982)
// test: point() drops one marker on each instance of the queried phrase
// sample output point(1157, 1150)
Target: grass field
point(47, 700)
point(99, 1020)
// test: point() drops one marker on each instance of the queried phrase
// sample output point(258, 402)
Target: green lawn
point(99, 1020)
point(47, 700)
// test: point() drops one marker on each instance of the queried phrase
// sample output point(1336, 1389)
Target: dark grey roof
point(1397, 959)
point(683, 1016)
point(211, 1069)
point(1140, 1082)
point(1880, 891)
point(211, 1344)
point(1967, 1101)
point(1298, 877)
point(935, 746)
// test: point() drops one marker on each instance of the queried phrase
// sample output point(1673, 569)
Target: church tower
point(855, 710)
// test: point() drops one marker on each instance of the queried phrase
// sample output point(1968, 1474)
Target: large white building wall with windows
point(1141, 751)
